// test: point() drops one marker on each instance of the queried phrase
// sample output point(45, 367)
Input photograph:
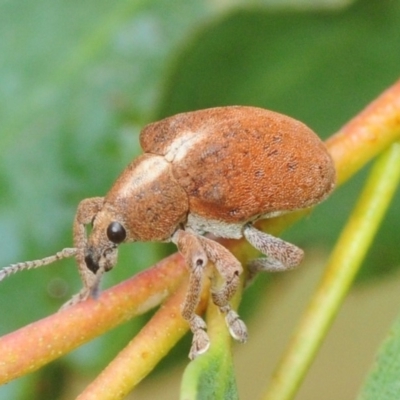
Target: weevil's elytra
point(218, 182)
point(210, 171)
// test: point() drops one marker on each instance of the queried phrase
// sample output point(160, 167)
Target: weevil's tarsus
point(237, 328)
point(13, 268)
point(92, 291)
point(200, 341)
point(76, 298)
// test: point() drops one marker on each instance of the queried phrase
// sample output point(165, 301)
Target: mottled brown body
point(211, 171)
point(244, 162)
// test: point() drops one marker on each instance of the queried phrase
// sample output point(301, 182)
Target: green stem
point(344, 264)
point(142, 354)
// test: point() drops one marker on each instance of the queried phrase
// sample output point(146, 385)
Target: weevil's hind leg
point(196, 260)
point(230, 269)
point(280, 255)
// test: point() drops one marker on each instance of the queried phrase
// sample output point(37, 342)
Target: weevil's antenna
point(13, 268)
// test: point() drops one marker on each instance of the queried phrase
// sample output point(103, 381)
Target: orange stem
point(366, 135)
point(33, 346)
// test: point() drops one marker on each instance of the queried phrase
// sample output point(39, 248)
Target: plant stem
point(143, 353)
point(367, 134)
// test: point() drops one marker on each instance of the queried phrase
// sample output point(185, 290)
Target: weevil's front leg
point(86, 212)
point(230, 269)
point(196, 259)
point(280, 255)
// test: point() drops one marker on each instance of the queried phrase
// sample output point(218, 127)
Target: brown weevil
point(213, 171)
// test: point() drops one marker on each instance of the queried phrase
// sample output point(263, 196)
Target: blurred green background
point(78, 80)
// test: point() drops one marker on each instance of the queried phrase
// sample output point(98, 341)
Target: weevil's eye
point(116, 232)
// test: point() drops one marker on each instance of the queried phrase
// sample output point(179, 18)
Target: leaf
point(383, 382)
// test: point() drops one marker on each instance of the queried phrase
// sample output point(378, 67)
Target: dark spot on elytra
point(139, 196)
point(276, 139)
point(230, 134)
point(273, 153)
point(155, 187)
point(215, 193)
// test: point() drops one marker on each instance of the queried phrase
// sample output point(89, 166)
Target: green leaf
point(383, 382)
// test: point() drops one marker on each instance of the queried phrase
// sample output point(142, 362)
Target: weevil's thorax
point(151, 204)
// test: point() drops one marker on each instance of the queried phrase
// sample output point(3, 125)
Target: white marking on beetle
point(274, 214)
point(228, 230)
point(147, 171)
point(179, 147)
point(202, 225)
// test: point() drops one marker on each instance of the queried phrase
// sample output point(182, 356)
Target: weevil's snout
point(99, 258)
point(91, 264)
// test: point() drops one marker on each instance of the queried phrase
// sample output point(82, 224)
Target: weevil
point(214, 171)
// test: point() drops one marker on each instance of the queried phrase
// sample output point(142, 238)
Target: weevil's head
point(98, 230)
point(145, 204)
point(101, 250)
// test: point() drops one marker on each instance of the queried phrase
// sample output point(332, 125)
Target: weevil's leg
point(230, 269)
point(85, 292)
point(13, 268)
point(87, 210)
point(196, 259)
point(280, 255)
